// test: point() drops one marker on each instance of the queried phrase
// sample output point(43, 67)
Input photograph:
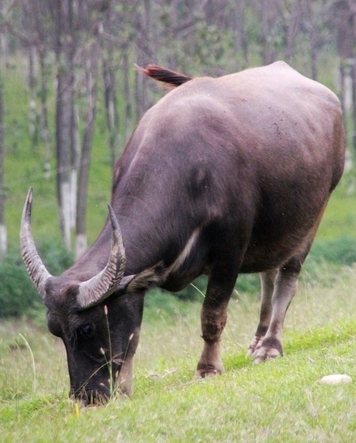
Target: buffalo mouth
point(91, 397)
point(99, 393)
point(95, 395)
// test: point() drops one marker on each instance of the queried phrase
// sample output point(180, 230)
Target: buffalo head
point(97, 318)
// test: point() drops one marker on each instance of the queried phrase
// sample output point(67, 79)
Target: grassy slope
point(280, 401)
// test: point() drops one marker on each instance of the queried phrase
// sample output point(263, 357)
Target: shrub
point(340, 251)
point(18, 296)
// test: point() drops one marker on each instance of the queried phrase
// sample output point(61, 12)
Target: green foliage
point(56, 257)
point(338, 251)
point(18, 296)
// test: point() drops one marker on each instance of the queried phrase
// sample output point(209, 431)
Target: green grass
point(340, 215)
point(281, 401)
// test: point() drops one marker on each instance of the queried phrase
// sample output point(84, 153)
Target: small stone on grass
point(335, 379)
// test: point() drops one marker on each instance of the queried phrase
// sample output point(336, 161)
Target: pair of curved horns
point(92, 291)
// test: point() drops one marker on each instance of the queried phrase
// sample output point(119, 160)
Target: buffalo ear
point(145, 279)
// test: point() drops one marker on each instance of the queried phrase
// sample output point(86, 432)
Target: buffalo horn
point(99, 287)
point(35, 267)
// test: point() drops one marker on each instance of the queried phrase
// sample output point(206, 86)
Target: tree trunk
point(63, 144)
point(268, 16)
point(3, 232)
point(74, 162)
point(145, 54)
point(240, 40)
point(353, 77)
point(112, 118)
point(345, 91)
point(64, 115)
point(292, 20)
point(44, 114)
point(81, 236)
point(345, 26)
point(128, 98)
point(313, 38)
point(32, 117)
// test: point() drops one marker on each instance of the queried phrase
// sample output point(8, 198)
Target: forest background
point(70, 96)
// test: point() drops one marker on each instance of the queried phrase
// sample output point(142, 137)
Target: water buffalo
point(222, 176)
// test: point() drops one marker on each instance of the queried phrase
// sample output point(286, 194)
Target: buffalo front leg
point(267, 287)
point(285, 287)
point(213, 320)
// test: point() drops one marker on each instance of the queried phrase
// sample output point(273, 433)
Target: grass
point(340, 217)
point(281, 401)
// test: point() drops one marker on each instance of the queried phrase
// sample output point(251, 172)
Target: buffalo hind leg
point(213, 320)
point(267, 287)
point(285, 287)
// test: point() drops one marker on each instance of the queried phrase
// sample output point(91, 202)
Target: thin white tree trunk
point(81, 245)
point(81, 235)
point(3, 232)
point(44, 114)
point(347, 87)
point(32, 116)
point(73, 197)
point(3, 240)
point(65, 213)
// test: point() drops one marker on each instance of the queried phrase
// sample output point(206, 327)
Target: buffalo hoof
point(263, 349)
point(264, 354)
point(203, 373)
point(254, 346)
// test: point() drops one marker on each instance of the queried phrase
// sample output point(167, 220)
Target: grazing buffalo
point(222, 176)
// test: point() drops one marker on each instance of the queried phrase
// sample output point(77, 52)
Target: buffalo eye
point(86, 331)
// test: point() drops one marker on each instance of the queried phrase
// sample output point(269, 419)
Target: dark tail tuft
point(164, 75)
